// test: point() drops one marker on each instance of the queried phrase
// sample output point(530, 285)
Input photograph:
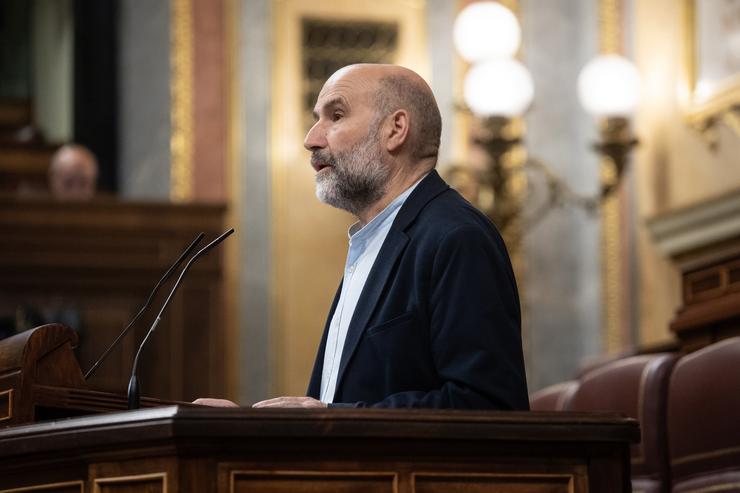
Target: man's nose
point(315, 138)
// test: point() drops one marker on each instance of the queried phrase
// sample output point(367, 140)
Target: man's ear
point(398, 130)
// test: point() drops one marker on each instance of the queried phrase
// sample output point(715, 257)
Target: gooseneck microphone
point(133, 384)
point(146, 304)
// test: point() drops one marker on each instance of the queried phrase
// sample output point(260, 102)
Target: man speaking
point(427, 314)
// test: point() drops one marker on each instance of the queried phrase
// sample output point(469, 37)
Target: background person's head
point(73, 173)
point(377, 127)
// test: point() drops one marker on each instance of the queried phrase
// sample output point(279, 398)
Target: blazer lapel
point(389, 252)
point(394, 244)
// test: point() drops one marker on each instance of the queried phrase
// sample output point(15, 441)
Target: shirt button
point(351, 268)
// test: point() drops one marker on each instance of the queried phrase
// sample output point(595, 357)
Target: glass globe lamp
point(485, 30)
point(500, 87)
point(609, 87)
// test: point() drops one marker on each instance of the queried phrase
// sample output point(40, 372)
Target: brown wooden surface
point(710, 308)
point(99, 260)
point(41, 380)
point(203, 449)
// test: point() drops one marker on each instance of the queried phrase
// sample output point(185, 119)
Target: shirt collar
point(357, 232)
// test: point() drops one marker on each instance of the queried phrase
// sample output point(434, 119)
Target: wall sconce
point(498, 89)
point(609, 89)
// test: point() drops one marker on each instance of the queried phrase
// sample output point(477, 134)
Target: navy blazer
point(438, 322)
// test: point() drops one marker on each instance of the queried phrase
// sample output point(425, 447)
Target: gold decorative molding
point(49, 486)
point(555, 482)
point(612, 273)
point(181, 100)
point(313, 476)
point(704, 112)
point(7, 397)
point(610, 26)
point(158, 477)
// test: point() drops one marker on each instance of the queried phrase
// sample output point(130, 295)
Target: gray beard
point(357, 178)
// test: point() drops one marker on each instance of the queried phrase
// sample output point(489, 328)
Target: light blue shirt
point(364, 245)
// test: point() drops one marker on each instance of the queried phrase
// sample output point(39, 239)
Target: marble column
point(562, 309)
point(144, 99)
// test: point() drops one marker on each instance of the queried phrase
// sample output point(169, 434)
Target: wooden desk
point(173, 449)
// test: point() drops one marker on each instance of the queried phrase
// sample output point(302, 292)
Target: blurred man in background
point(73, 173)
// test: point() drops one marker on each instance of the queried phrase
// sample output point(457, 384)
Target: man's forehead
point(74, 160)
point(346, 86)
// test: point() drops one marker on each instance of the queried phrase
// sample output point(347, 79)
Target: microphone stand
point(133, 384)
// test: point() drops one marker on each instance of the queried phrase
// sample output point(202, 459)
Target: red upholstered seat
point(636, 386)
point(553, 398)
point(704, 419)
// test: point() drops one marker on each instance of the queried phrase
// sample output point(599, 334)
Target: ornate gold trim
point(722, 105)
point(611, 274)
point(612, 282)
point(318, 474)
point(9, 414)
point(49, 486)
point(181, 100)
point(134, 478)
point(570, 477)
point(610, 26)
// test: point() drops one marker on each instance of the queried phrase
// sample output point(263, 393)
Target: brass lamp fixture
point(498, 89)
point(609, 87)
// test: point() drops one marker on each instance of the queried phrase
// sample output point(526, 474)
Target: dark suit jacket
point(438, 321)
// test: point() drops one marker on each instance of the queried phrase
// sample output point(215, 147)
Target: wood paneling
point(494, 483)
point(141, 483)
point(97, 262)
point(710, 308)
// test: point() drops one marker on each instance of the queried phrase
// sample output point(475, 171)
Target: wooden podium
point(199, 449)
point(40, 379)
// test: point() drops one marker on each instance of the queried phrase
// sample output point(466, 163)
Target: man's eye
point(336, 115)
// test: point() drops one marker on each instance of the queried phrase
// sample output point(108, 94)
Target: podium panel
point(199, 449)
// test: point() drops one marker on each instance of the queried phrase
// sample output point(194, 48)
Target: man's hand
point(290, 402)
point(207, 401)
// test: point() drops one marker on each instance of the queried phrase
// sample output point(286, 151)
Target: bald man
point(427, 314)
point(73, 173)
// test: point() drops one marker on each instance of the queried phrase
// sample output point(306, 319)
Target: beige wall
point(674, 165)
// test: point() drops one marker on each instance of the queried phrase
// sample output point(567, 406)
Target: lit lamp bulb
point(485, 30)
point(499, 87)
point(609, 86)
